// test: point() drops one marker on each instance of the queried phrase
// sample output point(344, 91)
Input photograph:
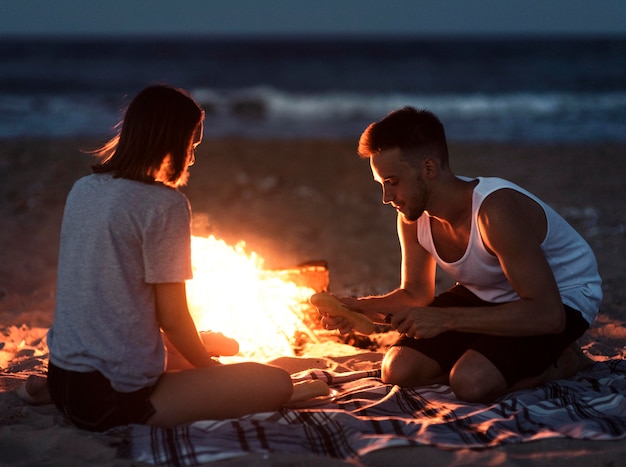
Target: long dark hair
point(156, 137)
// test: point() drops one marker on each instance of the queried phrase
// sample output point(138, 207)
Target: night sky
point(312, 17)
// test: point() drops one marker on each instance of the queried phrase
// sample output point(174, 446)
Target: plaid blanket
point(366, 415)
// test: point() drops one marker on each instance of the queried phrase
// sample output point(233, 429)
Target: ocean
point(486, 89)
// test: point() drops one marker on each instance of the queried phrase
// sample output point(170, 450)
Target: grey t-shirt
point(118, 238)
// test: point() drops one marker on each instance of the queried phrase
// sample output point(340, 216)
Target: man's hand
point(339, 323)
point(419, 323)
point(329, 306)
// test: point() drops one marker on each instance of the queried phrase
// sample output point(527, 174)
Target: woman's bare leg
point(220, 392)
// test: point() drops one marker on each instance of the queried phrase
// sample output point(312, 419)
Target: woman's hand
point(219, 345)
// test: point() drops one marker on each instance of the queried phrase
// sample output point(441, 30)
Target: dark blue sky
point(298, 17)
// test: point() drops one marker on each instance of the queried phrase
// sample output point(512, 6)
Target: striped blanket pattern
point(366, 415)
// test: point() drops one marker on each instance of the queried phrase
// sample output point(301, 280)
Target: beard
point(415, 207)
point(412, 216)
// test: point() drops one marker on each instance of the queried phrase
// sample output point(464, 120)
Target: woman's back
point(118, 238)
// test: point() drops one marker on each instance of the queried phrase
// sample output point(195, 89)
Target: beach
point(291, 201)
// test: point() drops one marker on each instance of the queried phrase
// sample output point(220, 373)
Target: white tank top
point(568, 254)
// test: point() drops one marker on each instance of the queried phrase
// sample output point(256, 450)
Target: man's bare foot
point(571, 361)
point(34, 391)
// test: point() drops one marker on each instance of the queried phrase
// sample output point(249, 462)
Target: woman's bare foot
point(34, 391)
point(309, 389)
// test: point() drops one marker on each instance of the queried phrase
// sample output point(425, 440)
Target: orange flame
point(232, 293)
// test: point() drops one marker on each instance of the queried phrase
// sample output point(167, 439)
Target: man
point(527, 283)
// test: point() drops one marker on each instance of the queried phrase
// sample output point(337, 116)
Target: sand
point(291, 201)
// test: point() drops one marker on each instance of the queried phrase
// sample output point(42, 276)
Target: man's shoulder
point(494, 183)
point(500, 188)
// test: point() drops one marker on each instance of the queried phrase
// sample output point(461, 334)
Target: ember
point(266, 311)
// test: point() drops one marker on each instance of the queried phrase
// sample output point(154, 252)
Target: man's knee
point(396, 369)
point(405, 367)
point(468, 389)
point(475, 379)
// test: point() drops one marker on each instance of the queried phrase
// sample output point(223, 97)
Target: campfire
point(266, 311)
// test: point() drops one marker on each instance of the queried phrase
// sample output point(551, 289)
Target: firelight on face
point(401, 183)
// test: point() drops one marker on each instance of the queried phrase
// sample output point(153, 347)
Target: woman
point(124, 257)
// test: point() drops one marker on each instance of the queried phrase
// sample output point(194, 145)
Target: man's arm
point(177, 324)
point(417, 287)
point(512, 227)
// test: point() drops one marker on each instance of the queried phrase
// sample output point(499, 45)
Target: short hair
point(155, 138)
point(417, 133)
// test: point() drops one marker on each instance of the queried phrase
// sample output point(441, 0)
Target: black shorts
point(89, 402)
point(515, 357)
